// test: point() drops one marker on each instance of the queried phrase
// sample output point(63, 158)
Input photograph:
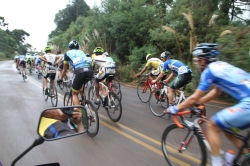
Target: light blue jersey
point(77, 59)
point(21, 57)
point(230, 79)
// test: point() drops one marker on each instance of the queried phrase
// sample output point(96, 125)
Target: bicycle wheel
point(113, 107)
point(178, 151)
point(246, 162)
point(92, 95)
point(39, 76)
point(117, 86)
point(67, 99)
point(143, 91)
point(93, 119)
point(23, 76)
point(44, 95)
point(53, 95)
point(157, 103)
point(61, 86)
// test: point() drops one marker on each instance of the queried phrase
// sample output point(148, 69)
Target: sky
point(36, 17)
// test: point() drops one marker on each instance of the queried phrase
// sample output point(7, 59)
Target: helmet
point(166, 54)
point(148, 55)
point(87, 54)
point(208, 51)
point(58, 52)
point(47, 49)
point(27, 54)
point(73, 44)
point(98, 50)
point(106, 54)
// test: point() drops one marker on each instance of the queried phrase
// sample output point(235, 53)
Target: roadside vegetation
point(130, 29)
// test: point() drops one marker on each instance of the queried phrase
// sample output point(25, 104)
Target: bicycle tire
point(143, 88)
point(157, 106)
point(67, 99)
point(44, 95)
point(246, 162)
point(113, 97)
point(39, 76)
point(115, 88)
point(117, 83)
point(92, 96)
point(53, 96)
point(61, 86)
point(93, 117)
point(188, 155)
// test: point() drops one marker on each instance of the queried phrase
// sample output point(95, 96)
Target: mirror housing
point(62, 122)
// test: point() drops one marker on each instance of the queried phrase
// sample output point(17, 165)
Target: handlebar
point(197, 110)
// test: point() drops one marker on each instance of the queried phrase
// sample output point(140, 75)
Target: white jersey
point(50, 57)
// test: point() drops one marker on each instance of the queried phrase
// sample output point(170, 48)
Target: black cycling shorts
point(81, 78)
point(60, 67)
point(108, 77)
point(52, 76)
point(181, 80)
point(23, 62)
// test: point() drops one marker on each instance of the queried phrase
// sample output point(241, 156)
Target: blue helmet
point(208, 51)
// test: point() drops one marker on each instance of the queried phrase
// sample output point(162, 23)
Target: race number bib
point(77, 60)
point(182, 70)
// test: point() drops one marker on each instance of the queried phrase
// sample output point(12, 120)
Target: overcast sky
point(35, 17)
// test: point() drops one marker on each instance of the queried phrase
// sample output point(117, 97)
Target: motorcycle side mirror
point(57, 123)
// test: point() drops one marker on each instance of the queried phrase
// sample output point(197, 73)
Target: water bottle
point(229, 158)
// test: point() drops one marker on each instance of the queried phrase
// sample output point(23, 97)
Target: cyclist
point(82, 69)
point(226, 78)
point(51, 60)
point(179, 69)
point(157, 65)
point(29, 59)
point(60, 66)
point(21, 60)
point(106, 70)
point(38, 63)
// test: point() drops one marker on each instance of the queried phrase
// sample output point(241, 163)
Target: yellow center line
point(136, 133)
point(143, 143)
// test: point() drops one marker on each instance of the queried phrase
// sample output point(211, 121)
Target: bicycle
point(144, 88)
point(93, 117)
point(39, 72)
point(22, 73)
point(111, 102)
point(51, 91)
point(67, 83)
point(159, 98)
point(191, 130)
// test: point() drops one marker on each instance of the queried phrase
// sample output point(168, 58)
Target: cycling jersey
point(50, 70)
point(155, 62)
point(106, 67)
point(21, 57)
point(77, 59)
point(176, 66)
point(230, 79)
point(29, 58)
point(235, 82)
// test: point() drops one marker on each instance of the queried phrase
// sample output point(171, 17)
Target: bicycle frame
point(195, 126)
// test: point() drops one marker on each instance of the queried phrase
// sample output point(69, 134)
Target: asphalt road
point(134, 140)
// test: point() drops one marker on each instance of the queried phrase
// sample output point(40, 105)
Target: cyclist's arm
point(211, 95)
point(55, 114)
point(170, 77)
point(43, 58)
point(143, 70)
point(59, 58)
point(160, 76)
point(191, 100)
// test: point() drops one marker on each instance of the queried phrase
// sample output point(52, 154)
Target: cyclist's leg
point(99, 78)
point(24, 67)
point(78, 80)
point(175, 84)
point(59, 70)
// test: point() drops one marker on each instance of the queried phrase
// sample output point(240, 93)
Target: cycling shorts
point(23, 62)
point(236, 116)
point(80, 77)
point(60, 67)
point(181, 80)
